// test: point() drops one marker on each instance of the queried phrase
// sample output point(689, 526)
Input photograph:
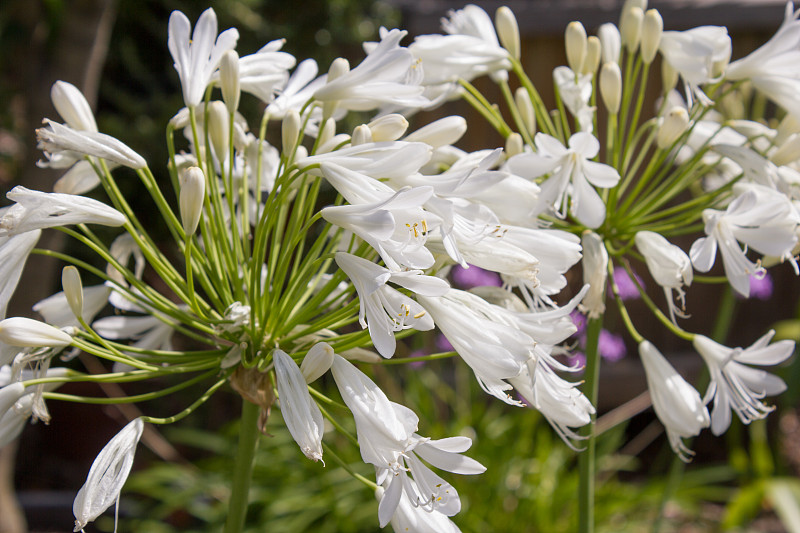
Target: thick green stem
point(586, 460)
point(242, 469)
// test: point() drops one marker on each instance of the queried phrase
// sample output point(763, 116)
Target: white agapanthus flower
point(387, 438)
point(772, 67)
point(699, 55)
point(396, 228)
point(737, 386)
point(263, 73)
point(299, 410)
point(385, 77)
point(197, 57)
point(761, 218)
point(475, 22)
point(384, 309)
point(572, 174)
point(670, 267)
point(485, 336)
point(676, 403)
point(63, 146)
point(575, 91)
point(107, 475)
point(38, 210)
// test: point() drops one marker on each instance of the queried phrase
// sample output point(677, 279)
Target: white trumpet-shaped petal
point(197, 57)
point(677, 404)
point(38, 210)
point(107, 475)
point(300, 412)
point(737, 386)
point(58, 140)
point(29, 333)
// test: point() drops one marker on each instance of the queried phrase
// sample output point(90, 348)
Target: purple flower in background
point(466, 278)
point(417, 353)
point(627, 288)
point(761, 287)
point(579, 319)
point(442, 344)
point(611, 346)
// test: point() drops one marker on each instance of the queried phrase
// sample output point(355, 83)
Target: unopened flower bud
point(675, 123)
point(361, 135)
point(507, 31)
point(595, 273)
point(338, 67)
point(610, 42)
point(388, 127)
point(229, 79)
point(669, 77)
point(593, 53)
point(611, 87)
point(514, 145)
point(29, 333)
point(327, 131)
point(72, 106)
point(442, 132)
point(652, 28)
point(317, 361)
point(290, 132)
point(575, 41)
point(219, 129)
point(192, 197)
point(789, 152)
point(523, 100)
point(73, 289)
point(630, 27)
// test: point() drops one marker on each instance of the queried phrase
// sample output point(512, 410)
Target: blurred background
point(115, 52)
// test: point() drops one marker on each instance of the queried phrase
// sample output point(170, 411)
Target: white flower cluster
point(272, 275)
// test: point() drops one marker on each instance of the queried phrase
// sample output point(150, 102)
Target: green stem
point(586, 460)
point(242, 470)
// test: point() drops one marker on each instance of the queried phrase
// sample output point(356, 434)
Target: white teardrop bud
point(388, 127)
point(192, 197)
point(595, 272)
point(508, 31)
point(361, 135)
point(73, 289)
point(675, 123)
point(611, 42)
point(514, 145)
point(327, 132)
point(317, 361)
point(219, 129)
point(669, 77)
point(442, 132)
point(630, 27)
point(575, 41)
point(611, 87)
point(290, 132)
point(523, 100)
point(593, 53)
point(229, 80)
point(652, 28)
